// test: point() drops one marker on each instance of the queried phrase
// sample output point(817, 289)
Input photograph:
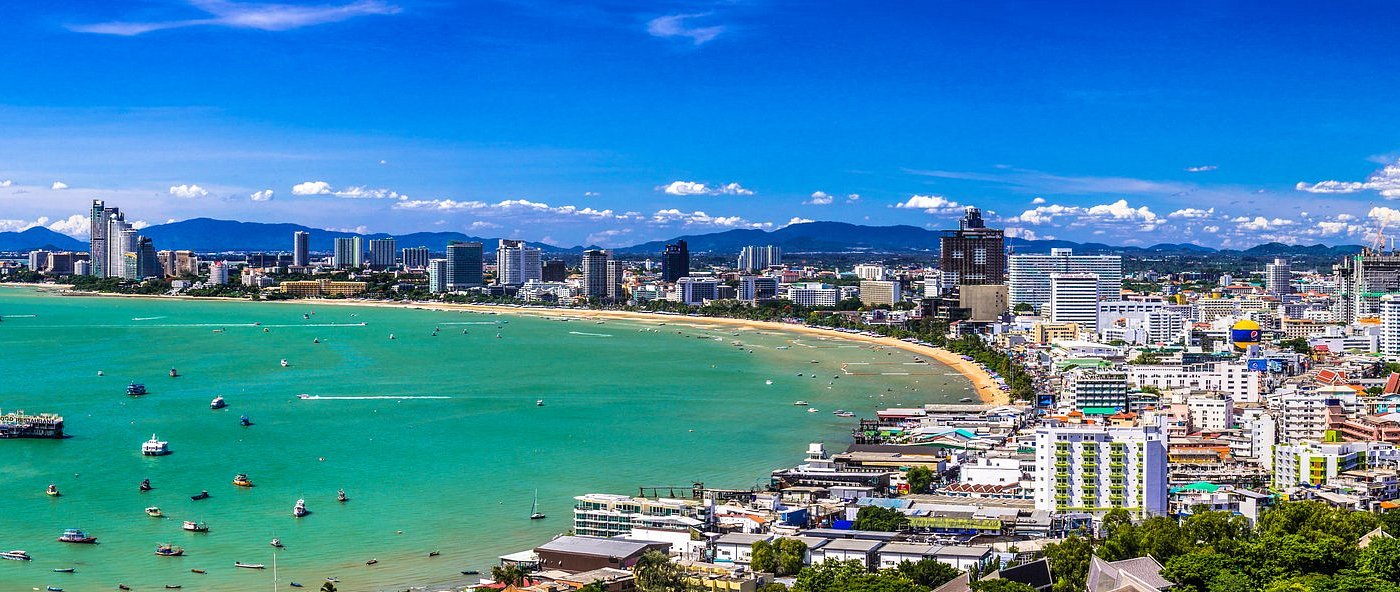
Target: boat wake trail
point(18, 316)
point(469, 323)
point(366, 398)
point(145, 318)
point(589, 334)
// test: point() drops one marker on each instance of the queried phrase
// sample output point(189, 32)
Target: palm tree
point(511, 575)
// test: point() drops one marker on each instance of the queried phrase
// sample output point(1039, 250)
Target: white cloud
point(354, 192)
point(75, 225)
point(311, 188)
point(591, 194)
point(264, 195)
point(1201, 169)
point(1037, 201)
point(694, 188)
point(1192, 213)
point(188, 191)
point(703, 219)
point(241, 15)
point(58, 186)
point(383, 162)
point(483, 225)
point(675, 26)
point(931, 204)
point(139, 224)
point(1260, 223)
point(1385, 181)
point(852, 198)
point(607, 237)
point(1116, 212)
point(796, 220)
point(6, 183)
point(1211, 229)
point(22, 225)
point(444, 205)
point(819, 198)
point(1019, 232)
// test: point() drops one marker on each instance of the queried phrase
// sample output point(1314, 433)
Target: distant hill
point(210, 235)
point(40, 238)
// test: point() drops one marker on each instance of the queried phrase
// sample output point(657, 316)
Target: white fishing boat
point(155, 447)
point(800, 403)
point(284, 363)
point(154, 512)
point(15, 555)
point(249, 565)
point(300, 510)
point(218, 403)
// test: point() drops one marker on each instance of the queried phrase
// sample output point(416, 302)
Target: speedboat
point(768, 382)
point(811, 410)
point(241, 480)
point(154, 512)
point(276, 542)
point(300, 510)
point(341, 497)
point(15, 555)
point(193, 526)
point(965, 400)
point(845, 414)
point(135, 389)
point(249, 565)
point(173, 373)
point(800, 403)
point(218, 403)
point(244, 421)
point(539, 402)
point(372, 562)
point(146, 485)
point(155, 447)
point(284, 363)
point(74, 535)
point(52, 491)
point(64, 570)
point(53, 588)
point(391, 336)
point(168, 550)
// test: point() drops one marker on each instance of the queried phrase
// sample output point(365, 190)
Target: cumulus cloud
point(607, 237)
point(264, 195)
point(676, 25)
point(188, 191)
point(1037, 201)
point(698, 218)
point(1023, 233)
point(852, 198)
point(75, 225)
point(1201, 169)
point(1385, 181)
point(1192, 213)
point(353, 192)
point(442, 205)
point(930, 204)
point(247, 15)
point(1116, 212)
point(796, 220)
point(1260, 223)
point(483, 225)
point(512, 205)
point(58, 186)
point(6, 182)
point(311, 188)
point(694, 188)
point(820, 198)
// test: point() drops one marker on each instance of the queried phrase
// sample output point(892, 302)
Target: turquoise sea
point(437, 439)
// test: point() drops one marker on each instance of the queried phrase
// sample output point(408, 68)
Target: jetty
point(18, 424)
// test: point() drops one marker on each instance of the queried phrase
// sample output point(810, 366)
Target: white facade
point(437, 276)
point(1100, 468)
point(695, 291)
point(1390, 327)
point(1028, 276)
point(814, 295)
point(756, 258)
point(1211, 412)
point(218, 273)
point(877, 292)
point(1235, 380)
point(609, 515)
point(870, 271)
point(349, 252)
point(1074, 298)
point(753, 287)
point(1277, 277)
point(517, 263)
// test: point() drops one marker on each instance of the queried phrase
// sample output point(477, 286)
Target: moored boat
point(193, 526)
point(16, 555)
point(276, 542)
point(244, 421)
point(241, 480)
point(64, 570)
point(201, 495)
point(174, 373)
point(218, 402)
point(168, 550)
point(800, 403)
point(155, 447)
point(249, 565)
point(52, 491)
point(135, 389)
point(284, 363)
point(75, 535)
point(341, 497)
point(145, 485)
point(154, 512)
point(300, 510)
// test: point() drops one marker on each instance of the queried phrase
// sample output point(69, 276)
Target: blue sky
point(1220, 123)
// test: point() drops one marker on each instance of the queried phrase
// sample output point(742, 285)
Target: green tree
point(773, 587)
point(1000, 585)
point(781, 557)
point(852, 576)
point(1069, 561)
point(512, 575)
point(655, 572)
point(883, 519)
point(929, 573)
point(1381, 558)
point(920, 478)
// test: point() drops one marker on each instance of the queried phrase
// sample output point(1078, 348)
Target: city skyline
point(615, 124)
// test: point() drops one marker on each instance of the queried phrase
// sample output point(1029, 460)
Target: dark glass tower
point(675, 262)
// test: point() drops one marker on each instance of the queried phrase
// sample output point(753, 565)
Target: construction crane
point(1378, 245)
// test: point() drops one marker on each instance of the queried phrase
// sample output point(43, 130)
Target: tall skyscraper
point(100, 217)
point(756, 258)
point(1074, 298)
point(218, 273)
point(517, 263)
point(614, 268)
point(973, 254)
point(1390, 327)
point(301, 248)
point(415, 257)
point(1099, 468)
point(437, 275)
point(349, 252)
point(554, 270)
point(595, 273)
point(756, 287)
point(675, 262)
point(147, 261)
point(381, 252)
point(1029, 275)
point(1278, 277)
point(463, 265)
point(121, 239)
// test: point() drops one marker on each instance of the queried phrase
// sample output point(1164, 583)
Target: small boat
point(146, 485)
point(811, 410)
point(295, 585)
point(276, 542)
point(154, 512)
point(965, 400)
point(15, 555)
point(155, 447)
point(244, 421)
point(241, 480)
point(64, 570)
point(101, 373)
point(300, 510)
point(135, 389)
point(316, 340)
point(193, 526)
point(203, 494)
point(198, 571)
point(372, 562)
point(52, 491)
point(123, 587)
point(174, 373)
point(218, 403)
point(767, 382)
point(74, 535)
point(539, 402)
point(53, 588)
point(391, 336)
point(534, 507)
point(249, 565)
point(168, 550)
point(341, 497)
point(434, 553)
point(305, 316)
point(173, 586)
point(845, 414)
point(470, 572)
point(498, 336)
point(284, 363)
point(800, 403)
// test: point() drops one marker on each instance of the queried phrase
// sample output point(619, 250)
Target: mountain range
point(211, 235)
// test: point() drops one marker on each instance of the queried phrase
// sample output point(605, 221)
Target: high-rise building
point(38, 260)
point(1278, 277)
point(121, 240)
point(146, 261)
point(415, 258)
point(178, 263)
point(870, 271)
point(437, 275)
point(675, 262)
point(82, 266)
point(1029, 275)
point(814, 295)
point(973, 254)
point(595, 273)
point(1361, 280)
point(463, 265)
point(381, 252)
point(517, 263)
point(615, 291)
point(301, 248)
point(1094, 391)
point(554, 270)
point(695, 291)
point(218, 273)
point(1074, 298)
point(349, 252)
point(757, 287)
point(880, 292)
point(1083, 468)
point(756, 258)
point(98, 251)
point(1390, 327)
point(61, 263)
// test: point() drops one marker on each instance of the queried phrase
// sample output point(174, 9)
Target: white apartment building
point(814, 295)
point(1211, 412)
point(1235, 380)
point(1277, 277)
point(1096, 468)
point(870, 271)
point(1315, 463)
point(695, 291)
point(1074, 298)
point(1028, 276)
point(1390, 327)
point(1303, 414)
point(609, 515)
point(877, 292)
point(1102, 391)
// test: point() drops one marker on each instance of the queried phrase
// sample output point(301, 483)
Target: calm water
point(626, 404)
